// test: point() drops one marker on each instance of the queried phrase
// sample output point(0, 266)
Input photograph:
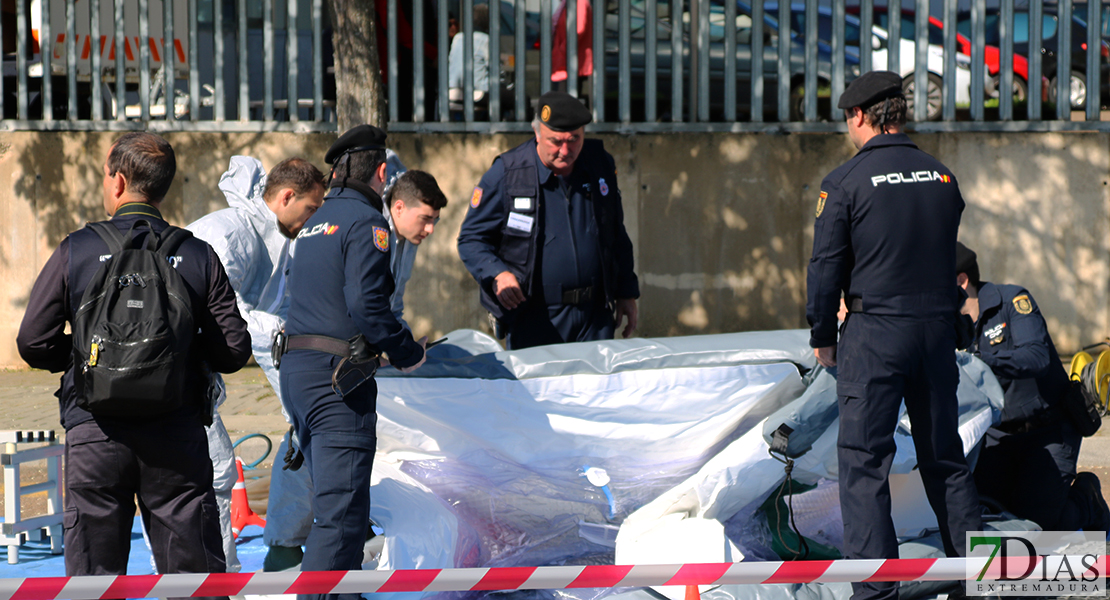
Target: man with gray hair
point(545, 237)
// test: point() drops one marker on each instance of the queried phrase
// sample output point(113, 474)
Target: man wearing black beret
point(340, 323)
point(545, 237)
point(885, 239)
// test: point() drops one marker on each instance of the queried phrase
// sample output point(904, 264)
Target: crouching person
point(1028, 460)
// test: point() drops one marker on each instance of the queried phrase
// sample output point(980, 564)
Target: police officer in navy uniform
point(885, 237)
point(1028, 460)
point(545, 238)
point(339, 323)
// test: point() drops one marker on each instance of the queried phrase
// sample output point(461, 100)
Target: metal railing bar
point(1063, 61)
point(318, 61)
point(98, 44)
point(624, 83)
point(730, 60)
point(677, 50)
point(119, 42)
point(784, 53)
point(810, 80)
point(71, 60)
point(168, 56)
point(1036, 66)
point(1006, 61)
point(443, 45)
point(758, 55)
point(494, 61)
point(651, 61)
point(392, 71)
point(268, 60)
point(545, 46)
point(244, 79)
point(467, 20)
point(219, 110)
point(292, 55)
point(571, 12)
point(948, 85)
point(144, 61)
point(194, 71)
point(46, 53)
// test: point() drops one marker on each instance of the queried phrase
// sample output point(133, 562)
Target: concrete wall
point(722, 223)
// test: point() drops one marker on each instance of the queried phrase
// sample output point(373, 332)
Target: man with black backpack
point(152, 314)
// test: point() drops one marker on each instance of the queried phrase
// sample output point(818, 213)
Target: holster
point(348, 374)
point(278, 347)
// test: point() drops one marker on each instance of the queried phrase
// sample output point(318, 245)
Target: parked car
point(878, 47)
point(1049, 49)
point(663, 23)
point(991, 54)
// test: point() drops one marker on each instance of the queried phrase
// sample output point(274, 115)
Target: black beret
point(870, 88)
point(966, 261)
point(562, 112)
point(356, 139)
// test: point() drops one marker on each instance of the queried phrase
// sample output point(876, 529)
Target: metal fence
point(478, 65)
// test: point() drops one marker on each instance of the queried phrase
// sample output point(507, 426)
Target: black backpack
point(133, 328)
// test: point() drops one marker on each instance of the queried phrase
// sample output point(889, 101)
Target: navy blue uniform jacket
point(340, 283)
point(223, 341)
point(885, 232)
point(552, 238)
point(1012, 338)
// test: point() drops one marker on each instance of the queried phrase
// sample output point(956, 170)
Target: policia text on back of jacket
point(887, 244)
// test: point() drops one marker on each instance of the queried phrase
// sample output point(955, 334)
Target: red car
point(991, 56)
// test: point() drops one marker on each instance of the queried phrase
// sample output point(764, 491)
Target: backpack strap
point(110, 234)
point(171, 239)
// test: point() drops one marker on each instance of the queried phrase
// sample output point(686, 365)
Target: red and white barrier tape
point(504, 578)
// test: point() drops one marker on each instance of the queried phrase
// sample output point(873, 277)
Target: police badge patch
point(821, 202)
point(604, 187)
point(476, 197)
point(1023, 305)
point(381, 239)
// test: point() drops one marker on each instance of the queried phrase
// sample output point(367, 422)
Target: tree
point(359, 90)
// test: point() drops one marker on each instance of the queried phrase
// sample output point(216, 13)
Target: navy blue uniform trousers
point(1032, 473)
point(536, 324)
point(338, 439)
point(881, 361)
point(167, 466)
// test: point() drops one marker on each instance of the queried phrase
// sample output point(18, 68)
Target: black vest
point(518, 249)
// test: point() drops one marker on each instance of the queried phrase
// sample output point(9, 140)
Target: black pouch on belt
point(356, 368)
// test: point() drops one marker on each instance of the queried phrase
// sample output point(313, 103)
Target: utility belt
point(556, 294)
point(1041, 419)
point(360, 357)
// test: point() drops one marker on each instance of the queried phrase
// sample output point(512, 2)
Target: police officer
point(885, 236)
point(1028, 459)
point(545, 238)
point(339, 322)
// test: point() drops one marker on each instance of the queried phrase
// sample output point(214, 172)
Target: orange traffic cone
point(693, 593)
point(241, 513)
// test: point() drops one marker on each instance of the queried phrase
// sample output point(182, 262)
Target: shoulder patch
point(476, 197)
point(1023, 305)
point(381, 239)
point(821, 202)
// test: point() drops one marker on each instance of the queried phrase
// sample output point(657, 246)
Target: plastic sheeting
point(633, 451)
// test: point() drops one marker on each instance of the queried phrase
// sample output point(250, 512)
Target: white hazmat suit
point(255, 255)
